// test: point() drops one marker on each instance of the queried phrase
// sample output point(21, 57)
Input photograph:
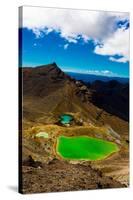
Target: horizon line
point(117, 76)
point(85, 73)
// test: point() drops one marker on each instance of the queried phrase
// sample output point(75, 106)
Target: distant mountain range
point(91, 78)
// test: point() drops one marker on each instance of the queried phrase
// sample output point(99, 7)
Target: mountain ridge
point(91, 77)
point(55, 89)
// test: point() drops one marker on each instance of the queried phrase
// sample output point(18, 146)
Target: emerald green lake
point(65, 118)
point(84, 148)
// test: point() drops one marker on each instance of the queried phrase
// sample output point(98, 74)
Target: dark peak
point(50, 71)
point(49, 67)
point(46, 68)
point(54, 64)
point(98, 83)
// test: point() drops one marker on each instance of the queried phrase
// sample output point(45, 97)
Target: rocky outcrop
point(31, 162)
point(82, 91)
point(59, 176)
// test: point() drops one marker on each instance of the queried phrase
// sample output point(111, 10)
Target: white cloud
point(93, 72)
point(122, 59)
point(37, 32)
point(66, 46)
point(117, 44)
point(101, 27)
point(101, 72)
point(71, 23)
point(107, 73)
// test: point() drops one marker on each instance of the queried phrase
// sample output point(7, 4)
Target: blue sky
point(77, 49)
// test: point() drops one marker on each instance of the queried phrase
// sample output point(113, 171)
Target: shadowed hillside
point(111, 96)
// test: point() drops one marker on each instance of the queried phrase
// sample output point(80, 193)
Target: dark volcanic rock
point(31, 162)
point(63, 176)
point(42, 80)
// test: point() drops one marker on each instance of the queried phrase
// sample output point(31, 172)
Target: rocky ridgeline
point(82, 91)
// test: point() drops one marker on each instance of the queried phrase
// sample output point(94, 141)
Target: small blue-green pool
point(66, 118)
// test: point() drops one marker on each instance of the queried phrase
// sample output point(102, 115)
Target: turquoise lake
point(66, 118)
